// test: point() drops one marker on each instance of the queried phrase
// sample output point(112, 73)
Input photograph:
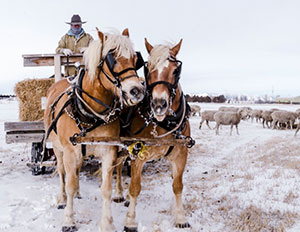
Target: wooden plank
point(24, 138)
point(23, 126)
point(57, 68)
point(32, 60)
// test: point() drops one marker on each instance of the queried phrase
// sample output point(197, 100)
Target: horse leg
point(134, 191)
point(79, 165)
point(178, 165)
point(62, 197)
point(231, 126)
point(108, 158)
point(70, 159)
point(237, 129)
point(118, 198)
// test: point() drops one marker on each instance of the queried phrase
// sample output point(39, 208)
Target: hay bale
point(30, 93)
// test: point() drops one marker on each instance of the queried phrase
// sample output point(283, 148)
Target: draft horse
point(90, 105)
point(163, 113)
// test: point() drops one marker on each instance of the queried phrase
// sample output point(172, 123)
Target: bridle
point(173, 123)
point(171, 87)
point(75, 99)
point(116, 78)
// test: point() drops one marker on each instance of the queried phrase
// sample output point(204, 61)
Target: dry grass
point(256, 220)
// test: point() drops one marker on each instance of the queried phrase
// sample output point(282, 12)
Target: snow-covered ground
point(246, 182)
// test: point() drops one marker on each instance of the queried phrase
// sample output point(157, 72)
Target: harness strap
point(54, 122)
point(169, 150)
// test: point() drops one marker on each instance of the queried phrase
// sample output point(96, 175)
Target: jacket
point(69, 41)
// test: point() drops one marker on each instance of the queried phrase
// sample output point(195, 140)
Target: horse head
point(162, 77)
point(113, 61)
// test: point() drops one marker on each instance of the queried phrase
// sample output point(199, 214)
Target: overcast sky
point(229, 46)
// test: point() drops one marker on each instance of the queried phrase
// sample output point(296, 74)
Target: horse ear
point(100, 35)
point(149, 47)
point(125, 32)
point(176, 48)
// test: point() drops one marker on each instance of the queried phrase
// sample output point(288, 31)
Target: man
point(74, 41)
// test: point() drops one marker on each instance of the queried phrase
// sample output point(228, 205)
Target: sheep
point(297, 129)
point(228, 108)
point(298, 113)
point(227, 118)
point(195, 109)
point(208, 116)
point(246, 111)
point(266, 117)
point(256, 114)
point(283, 117)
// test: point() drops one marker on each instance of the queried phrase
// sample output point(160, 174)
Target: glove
point(82, 50)
point(67, 52)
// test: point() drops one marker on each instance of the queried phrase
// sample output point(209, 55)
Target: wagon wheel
point(36, 158)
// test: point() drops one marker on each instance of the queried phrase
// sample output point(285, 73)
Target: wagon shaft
point(122, 141)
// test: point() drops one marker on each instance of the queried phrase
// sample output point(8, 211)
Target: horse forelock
point(121, 45)
point(158, 57)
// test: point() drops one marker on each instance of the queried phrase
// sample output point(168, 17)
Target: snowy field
point(246, 182)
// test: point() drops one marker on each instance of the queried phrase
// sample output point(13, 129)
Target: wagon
point(33, 131)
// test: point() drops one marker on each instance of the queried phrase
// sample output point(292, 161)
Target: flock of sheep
point(273, 118)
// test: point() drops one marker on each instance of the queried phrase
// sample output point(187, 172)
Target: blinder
point(110, 61)
point(139, 62)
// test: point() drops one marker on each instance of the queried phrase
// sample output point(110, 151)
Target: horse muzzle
point(134, 96)
point(159, 108)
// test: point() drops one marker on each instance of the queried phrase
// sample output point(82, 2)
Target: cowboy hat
point(75, 20)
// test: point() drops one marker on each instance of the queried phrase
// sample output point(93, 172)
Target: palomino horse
point(90, 105)
point(164, 114)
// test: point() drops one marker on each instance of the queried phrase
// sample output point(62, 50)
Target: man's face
point(77, 26)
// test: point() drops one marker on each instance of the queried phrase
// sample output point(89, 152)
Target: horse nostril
point(135, 92)
point(164, 103)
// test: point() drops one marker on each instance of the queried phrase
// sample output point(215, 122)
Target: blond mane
point(158, 56)
point(121, 45)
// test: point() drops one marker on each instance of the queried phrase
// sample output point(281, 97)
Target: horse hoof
point(69, 229)
point(119, 199)
point(126, 203)
point(184, 225)
point(127, 229)
point(61, 206)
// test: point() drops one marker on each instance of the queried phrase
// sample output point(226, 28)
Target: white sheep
point(256, 114)
point(286, 118)
point(195, 109)
point(297, 129)
point(245, 112)
point(227, 118)
point(266, 118)
point(228, 108)
point(208, 116)
point(298, 113)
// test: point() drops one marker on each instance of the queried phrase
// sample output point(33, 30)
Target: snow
point(246, 182)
